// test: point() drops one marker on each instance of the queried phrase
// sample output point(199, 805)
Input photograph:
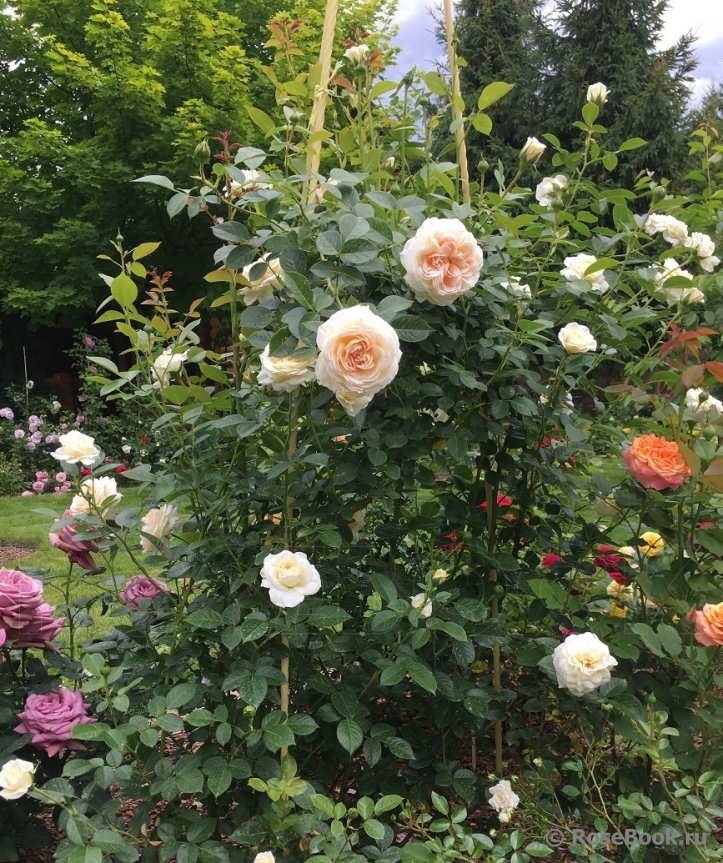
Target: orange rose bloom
point(708, 624)
point(656, 462)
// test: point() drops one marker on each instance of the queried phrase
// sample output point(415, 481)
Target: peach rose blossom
point(442, 261)
point(708, 624)
point(358, 356)
point(656, 462)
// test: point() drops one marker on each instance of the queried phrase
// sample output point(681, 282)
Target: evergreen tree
point(614, 41)
point(500, 41)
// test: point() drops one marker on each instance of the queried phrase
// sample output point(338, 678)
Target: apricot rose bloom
point(708, 624)
point(656, 462)
point(358, 356)
point(442, 261)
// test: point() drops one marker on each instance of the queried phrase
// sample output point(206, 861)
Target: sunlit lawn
point(20, 525)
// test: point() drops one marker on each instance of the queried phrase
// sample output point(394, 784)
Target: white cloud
point(703, 17)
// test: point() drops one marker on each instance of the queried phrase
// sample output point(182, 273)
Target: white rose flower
point(550, 189)
point(286, 374)
point(357, 54)
point(673, 230)
point(418, 601)
point(569, 405)
point(159, 523)
point(440, 576)
point(16, 778)
point(503, 797)
point(442, 261)
point(56, 406)
point(577, 338)
point(289, 577)
point(691, 296)
point(250, 181)
point(671, 268)
point(264, 857)
point(705, 248)
point(261, 289)
point(165, 365)
point(575, 267)
point(532, 151)
point(517, 289)
point(582, 663)
point(102, 491)
point(126, 449)
point(358, 356)
point(699, 405)
point(76, 447)
point(597, 93)
point(620, 592)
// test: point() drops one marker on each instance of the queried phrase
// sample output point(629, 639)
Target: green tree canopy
point(98, 92)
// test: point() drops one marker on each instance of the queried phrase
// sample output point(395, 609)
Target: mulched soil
point(10, 553)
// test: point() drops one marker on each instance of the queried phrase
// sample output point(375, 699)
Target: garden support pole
point(318, 110)
point(495, 610)
point(457, 104)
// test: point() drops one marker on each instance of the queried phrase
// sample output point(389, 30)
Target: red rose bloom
point(549, 559)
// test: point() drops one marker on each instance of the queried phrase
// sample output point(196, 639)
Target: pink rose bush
point(51, 717)
point(140, 587)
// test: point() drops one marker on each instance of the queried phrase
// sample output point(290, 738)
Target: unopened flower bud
point(531, 152)
point(597, 93)
point(202, 152)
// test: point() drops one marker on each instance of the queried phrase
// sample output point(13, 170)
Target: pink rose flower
point(41, 474)
point(31, 445)
point(61, 477)
point(708, 624)
point(51, 716)
point(3, 636)
point(44, 627)
point(77, 551)
point(39, 487)
point(20, 595)
point(27, 494)
point(89, 343)
point(19, 433)
point(138, 588)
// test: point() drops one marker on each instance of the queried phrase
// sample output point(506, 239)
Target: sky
point(703, 17)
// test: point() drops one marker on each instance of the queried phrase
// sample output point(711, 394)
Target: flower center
point(288, 573)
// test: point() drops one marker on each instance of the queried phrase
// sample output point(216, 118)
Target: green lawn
point(21, 526)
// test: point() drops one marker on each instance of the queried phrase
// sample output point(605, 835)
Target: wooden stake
point(456, 108)
point(318, 111)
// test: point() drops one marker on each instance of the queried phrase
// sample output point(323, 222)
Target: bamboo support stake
point(456, 108)
point(495, 610)
point(318, 111)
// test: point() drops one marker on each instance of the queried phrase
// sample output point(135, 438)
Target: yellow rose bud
point(440, 575)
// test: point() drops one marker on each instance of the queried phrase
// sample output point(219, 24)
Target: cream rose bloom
point(550, 189)
point(418, 601)
point(357, 54)
point(261, 290)
point(286, 374)
point(356, 526)
point(503, 797)
point(159, 523)
point(442, 261)
point(673, 230)
point(597, 93)
point(289, 578)
point(582, 663)
point(16, 778)
point(575, 267)
point(440, 576)
point(100, 491)
point(264, 857)
point(671, 269)
point(358, 356)
point(577, 338)
point(705, 249)
point(517, 289)
point(532, 151)
point(698, 405)
point(76, 447)
point(250, 181)
point(165, 365)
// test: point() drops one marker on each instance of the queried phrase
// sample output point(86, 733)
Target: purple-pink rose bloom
point(51, 716)
point(43, 628)
point(139, 587)
point(78, 552)
point(20, 595)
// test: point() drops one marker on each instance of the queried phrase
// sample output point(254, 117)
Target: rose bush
point(462, 563)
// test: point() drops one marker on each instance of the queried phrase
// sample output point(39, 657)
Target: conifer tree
point(615, 42)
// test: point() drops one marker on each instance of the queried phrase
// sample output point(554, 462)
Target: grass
point(20, 525)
